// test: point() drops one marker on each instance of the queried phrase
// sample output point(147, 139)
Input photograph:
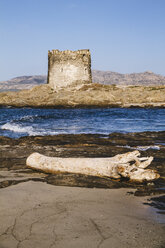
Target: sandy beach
point(35, 214)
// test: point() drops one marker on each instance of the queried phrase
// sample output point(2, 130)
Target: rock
point(14, 152)
point(86, 95)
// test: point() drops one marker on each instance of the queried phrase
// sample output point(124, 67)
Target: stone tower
point(67, 67)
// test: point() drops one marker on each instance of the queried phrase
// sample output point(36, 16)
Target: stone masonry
point(67, 67)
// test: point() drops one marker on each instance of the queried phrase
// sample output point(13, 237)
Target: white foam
point(28, 117)
point(145, 148)
point(17, 128)
point(142, 148)
point(27, 129)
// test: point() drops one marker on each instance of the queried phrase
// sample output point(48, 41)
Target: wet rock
point(158, 203)
point(13, 154)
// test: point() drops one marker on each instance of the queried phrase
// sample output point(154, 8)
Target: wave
point(27, 130)
point(36, 117)
point(17, 128)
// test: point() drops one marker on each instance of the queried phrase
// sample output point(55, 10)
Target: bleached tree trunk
point(123, 165)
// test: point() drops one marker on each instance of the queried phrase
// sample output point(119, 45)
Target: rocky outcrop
point(86, 95)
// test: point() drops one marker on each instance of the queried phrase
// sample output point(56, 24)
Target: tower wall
point(67, 67)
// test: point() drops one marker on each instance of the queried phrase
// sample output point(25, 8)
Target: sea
point(18, 122)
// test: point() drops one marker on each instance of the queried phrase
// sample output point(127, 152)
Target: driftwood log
point(128, 165)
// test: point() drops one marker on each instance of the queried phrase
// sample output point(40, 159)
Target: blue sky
point(123, 35)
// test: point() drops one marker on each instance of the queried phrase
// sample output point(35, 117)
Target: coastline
point(86, 96)
point(14, 153)
point(147, 106)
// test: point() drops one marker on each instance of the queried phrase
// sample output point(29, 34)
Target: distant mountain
point(144, 79)
point(24, 82)
point(104, 77)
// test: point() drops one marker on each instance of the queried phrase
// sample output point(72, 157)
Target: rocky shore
point(93, 211)
point(86, 95)
point(14, 152)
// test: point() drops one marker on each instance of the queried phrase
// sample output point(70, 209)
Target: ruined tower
point(67, 67)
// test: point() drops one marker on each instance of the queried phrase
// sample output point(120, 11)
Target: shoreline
point(145, 106)
point(14, 152)
point(53, 216)
point(92, 95)
point(69, 210)
point(83, 106)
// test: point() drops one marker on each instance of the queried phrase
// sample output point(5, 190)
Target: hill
point(144, 79)
point(21, 83)
point(104, 77)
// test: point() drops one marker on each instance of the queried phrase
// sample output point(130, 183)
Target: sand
point(36, 214)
